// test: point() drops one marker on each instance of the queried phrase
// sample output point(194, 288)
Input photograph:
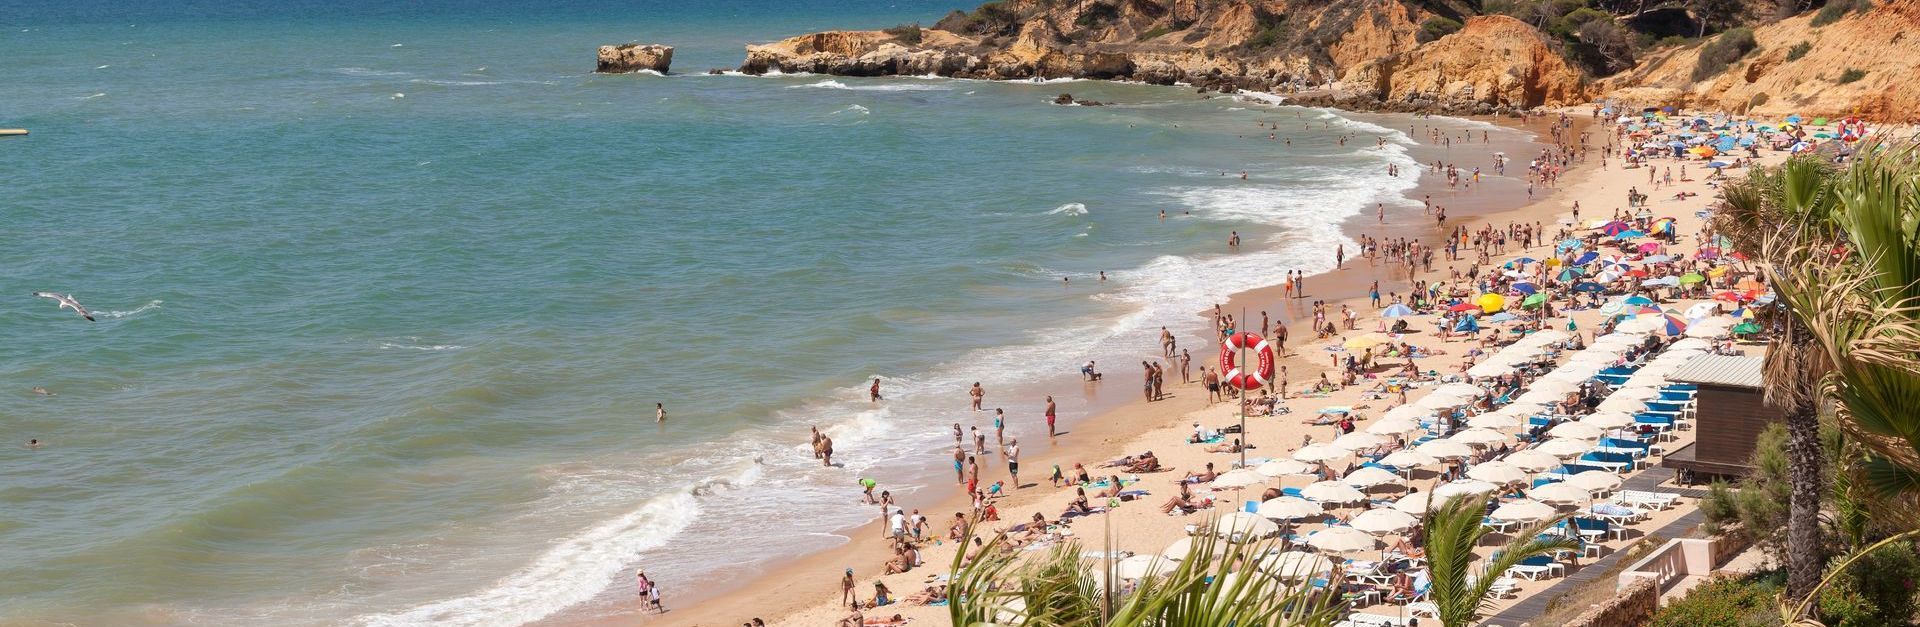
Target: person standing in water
point(1050, 417)
point(873, 393)
point(659, 412)
point(1000, 426)
point(1339, 261)
point(977, 393)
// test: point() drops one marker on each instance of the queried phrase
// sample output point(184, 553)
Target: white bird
point(67, 302)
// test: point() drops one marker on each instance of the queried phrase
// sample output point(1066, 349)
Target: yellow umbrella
point(1491, 303)
point(1718, 271)
point(1553, 262)
point(1367, 341)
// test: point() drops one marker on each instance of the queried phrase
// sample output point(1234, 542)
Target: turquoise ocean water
point(387, 292)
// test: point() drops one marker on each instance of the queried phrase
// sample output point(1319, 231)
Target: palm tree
point(1770, 215)
point(1058, 589)
point(1452, 530)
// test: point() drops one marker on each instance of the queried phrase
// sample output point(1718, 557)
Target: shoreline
point(811, 580)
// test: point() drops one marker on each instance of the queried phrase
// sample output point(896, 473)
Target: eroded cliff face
point(1265, 45)
point(1883, 42)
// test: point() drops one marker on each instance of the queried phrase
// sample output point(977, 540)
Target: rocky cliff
point(1797, 68)
point(1368, 49)
point(634, 58)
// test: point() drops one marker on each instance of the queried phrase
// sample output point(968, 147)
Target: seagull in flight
point(67, 302)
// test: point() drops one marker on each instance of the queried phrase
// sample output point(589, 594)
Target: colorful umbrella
point(1630, 234)
point(1638, 300)
point(1615, 227)
point(1746, 328)
point(1675, 325)
point(1589, 287)
point(1459, 307)
point(1534, 301)
point(1691, 278)
point(1492, 302)
point(1586, 258)
point(1396, 310)
point(1525, 288)
point(1648, 247)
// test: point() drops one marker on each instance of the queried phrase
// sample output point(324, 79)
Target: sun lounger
point(1644, 499)
point(1537, 567)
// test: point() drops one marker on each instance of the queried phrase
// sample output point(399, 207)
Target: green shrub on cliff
point(1156, 32)
point(1723, 51)
point(1096, 14)
point(1437, 27)
point(1852, 74)
point(1837, 9)
point(1272, 29)
point(1799, 50)
point(906, 33)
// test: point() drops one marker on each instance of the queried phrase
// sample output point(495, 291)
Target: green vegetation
point(1877, 590)
point(1674, 40)
point(1271, 30)
point(1723, 602)
point(1851, 75)
point(1729, 47)
point(1437, 27)
point(1453, 529)
point(906, 33)
point(1758, 99)
point(1837, 9)
point(1799, 50)
point(1096, 14)
point(1156, 32)
point(1757, 510)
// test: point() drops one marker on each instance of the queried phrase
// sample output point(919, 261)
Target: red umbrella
point(1648, 247)
point(1729, 296)
point(1464, 307)
point(1637, 273)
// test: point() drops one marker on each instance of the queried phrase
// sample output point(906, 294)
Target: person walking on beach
point(1050, 411)
point(959, 464)
point(1186, 359)
point(1147, 380)
point(650, 594)
point(1159, 377)
point(1013, 461)
point(977, 393)
point(1166, 342)
point(1339, 261)
point(1374, 292)
point(846, 589)
point(999, 426)
point(1212, 381)
point(873, 393)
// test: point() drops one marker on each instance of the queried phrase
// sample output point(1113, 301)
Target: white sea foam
point(852, 109)
point(98, 95)
point(1069, 209)
point(572, 571)
point(150, 306)
point(1259, 96)
point(361, 71)
point(833, 84)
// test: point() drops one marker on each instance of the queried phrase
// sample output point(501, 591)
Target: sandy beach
point(796, 589)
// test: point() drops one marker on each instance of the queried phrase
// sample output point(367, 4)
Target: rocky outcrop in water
point(625, 58)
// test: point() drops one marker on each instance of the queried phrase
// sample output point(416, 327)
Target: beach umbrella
point(1630, 234)
point(1555, 386)
point(1575, 430)
point(1615, 227)
point(1238, 478)
point(1673, 324)
point(1464, 487)
point(1523, 510)
point(1284, 467)
point(1691, 278)
point(1665, 281)
point(1497, 473)
point(1607, 420)
point(1700, 311)
point(1245, 524)
point(1532, 460)
point(1479, 437)
point(1371, 476)
point(1143, 566)
point(1495, 420)
point(1413, 412)
point(1564, 448)
point(1522, 261)
point(1628, 405)
point(1467, 390)
point(1342, 540)
point(1459, 307)
point(1657, 259)
point(1367, 341)
point(1491, 368)
point(1383, 521)
point(1183, 548)
point(1586, 258)
point(1491, 302)
point(1417, 502)
point(1637, 393)
point(1638, 300)
point(1445, 449)
point(1559, 492)
point(1393, 426)
point(1396, 310)
point(1332, 492)
point(1594, 481)
point(1533, 301)
point(1439, 400)
point(1319, 452)
point(1296, 565)
point(1408, 458)
point(1291, 508)
point(1745, 328)
point(1524, 287)
point(1589, 287)
point(1358, 440)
